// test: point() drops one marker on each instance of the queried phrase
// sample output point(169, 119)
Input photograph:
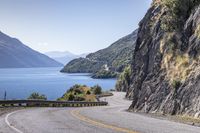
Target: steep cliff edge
point(165, 69)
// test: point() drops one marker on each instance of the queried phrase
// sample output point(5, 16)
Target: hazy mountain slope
point(14, 54)
point(165, 68)
point(59, 54)
point(63, 57)
point(115, 57)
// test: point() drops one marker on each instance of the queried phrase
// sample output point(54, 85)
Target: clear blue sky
point(78, 26)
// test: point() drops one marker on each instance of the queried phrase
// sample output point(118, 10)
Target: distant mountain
point(63, 57)
point(59, 54)
point(14, 54)
point(113, 58)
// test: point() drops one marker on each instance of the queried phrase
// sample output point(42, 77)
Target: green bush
point(176, 84)
point(124, 79)
point(97, 89)
point(37, 96)
point(71, 97)
point(88, 92)
point(78, 93)
point(177, 13)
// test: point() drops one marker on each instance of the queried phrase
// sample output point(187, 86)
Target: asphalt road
point(108, 119)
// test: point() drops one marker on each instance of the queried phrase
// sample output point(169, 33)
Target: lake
point(21, 82)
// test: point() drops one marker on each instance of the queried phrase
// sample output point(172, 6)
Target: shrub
point(124, 79)
point(88, 92)
point(76, 86)
point(97, 89)
point(176, 84)
point(71, 97)
point(177, 12)
point(78, 93)
point(37, 96)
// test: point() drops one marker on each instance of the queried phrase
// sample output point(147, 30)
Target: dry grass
point(197, 31)
point(90, 98)
point(187, 119)
point(84, 89)
point(178, 67)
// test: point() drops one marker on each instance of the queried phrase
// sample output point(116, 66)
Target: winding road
point(107, 119)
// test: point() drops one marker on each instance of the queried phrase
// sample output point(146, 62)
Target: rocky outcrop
point(165, 69)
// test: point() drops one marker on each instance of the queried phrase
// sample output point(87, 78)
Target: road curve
point(107, 119)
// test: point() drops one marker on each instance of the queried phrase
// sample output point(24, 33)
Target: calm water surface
point(20, 83)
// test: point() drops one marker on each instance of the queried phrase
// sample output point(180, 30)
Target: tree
point(71, 97)
point(36, 95)
point(97, 89)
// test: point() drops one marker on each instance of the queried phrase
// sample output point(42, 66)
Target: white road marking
point(8, 123)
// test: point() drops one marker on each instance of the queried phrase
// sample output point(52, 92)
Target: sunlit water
point(20, 83)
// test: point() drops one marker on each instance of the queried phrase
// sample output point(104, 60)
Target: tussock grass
point(197, 31)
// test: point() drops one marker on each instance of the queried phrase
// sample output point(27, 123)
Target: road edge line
point(8, 123)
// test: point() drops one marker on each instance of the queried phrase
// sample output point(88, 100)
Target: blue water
point(20, 83)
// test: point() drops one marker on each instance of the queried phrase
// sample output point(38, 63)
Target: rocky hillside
point(114, 58)
point(14, 54)
point(165, 69)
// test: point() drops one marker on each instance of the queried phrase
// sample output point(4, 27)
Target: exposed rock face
point(166, 61)
point(14, 54)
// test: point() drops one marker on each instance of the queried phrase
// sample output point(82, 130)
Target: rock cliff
point(165, 69)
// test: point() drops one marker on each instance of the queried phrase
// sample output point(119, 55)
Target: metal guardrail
point(43, 103)
point(105, 95)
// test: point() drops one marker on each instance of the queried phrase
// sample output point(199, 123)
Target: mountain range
point(14, 54)
point(63, 57)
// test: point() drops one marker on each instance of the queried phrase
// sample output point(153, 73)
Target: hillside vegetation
point(37, 96)
point(81, 93)
point(116, 57)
